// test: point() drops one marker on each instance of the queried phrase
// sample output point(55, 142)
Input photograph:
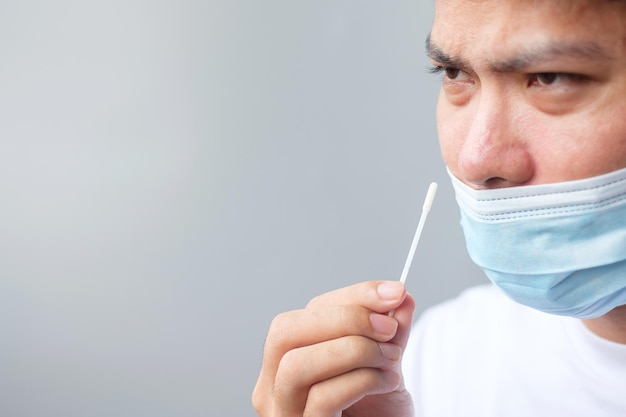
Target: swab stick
point(428, 202)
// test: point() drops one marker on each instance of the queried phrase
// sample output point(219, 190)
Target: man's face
point(533, 91)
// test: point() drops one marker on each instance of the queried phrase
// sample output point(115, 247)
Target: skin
point(532, 93)
point(339, 353)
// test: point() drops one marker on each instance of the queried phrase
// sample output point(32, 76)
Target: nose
point(494, 152)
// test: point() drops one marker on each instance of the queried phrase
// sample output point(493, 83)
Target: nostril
point(498, 182)
point(495, 164)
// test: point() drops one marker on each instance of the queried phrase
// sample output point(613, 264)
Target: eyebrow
point(586, 50)
point(437, 54)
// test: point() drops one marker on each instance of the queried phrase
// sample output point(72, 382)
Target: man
point(532, 126)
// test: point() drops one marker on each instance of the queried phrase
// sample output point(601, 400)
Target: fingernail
point(391, 290)
point(391, 351)
point(394, 379)
point(385, 326)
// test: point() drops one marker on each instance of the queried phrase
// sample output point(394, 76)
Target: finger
point(404, 316)
point(292, 330)
point(302, 368)
point(330, 397)
point(311, 326)
point(379, 296)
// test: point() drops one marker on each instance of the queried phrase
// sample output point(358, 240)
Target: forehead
point(493, 29)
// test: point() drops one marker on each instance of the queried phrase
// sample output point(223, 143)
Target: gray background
point(175, 173)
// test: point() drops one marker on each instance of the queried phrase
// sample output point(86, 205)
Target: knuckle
point(361, 349)
point(288, 363)
point(318, 404)
point(322, 400)
point(354, 350)
point(376, 381)
point(280, 329)
point(361, 320)
point(289, 371)
point(259, 402)
point(315, 301)
point(356, 346)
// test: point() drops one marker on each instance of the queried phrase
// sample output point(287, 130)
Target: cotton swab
point(428, 202)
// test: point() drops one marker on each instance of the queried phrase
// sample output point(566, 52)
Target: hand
point(340, 356)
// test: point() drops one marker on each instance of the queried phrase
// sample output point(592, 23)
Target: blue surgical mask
point(558, 248)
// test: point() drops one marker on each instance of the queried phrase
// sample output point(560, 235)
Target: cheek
point(579, 147)
point(606, 151)
point(592, 141)
point(612, 135)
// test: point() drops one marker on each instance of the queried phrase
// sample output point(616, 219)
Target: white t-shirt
point(484, 355)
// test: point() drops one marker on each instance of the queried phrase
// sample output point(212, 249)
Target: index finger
point(378, 296)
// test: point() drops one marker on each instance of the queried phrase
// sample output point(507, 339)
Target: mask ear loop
point(428, 202)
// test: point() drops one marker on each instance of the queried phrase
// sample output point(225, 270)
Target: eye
point(560, 92)
point(450, 73)
point(547, 79)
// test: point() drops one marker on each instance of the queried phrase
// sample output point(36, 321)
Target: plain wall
point(175, 173)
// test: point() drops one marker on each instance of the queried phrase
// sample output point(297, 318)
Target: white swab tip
point(430, 196)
